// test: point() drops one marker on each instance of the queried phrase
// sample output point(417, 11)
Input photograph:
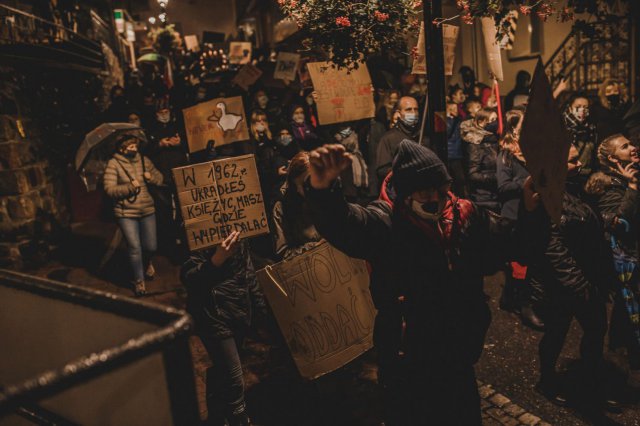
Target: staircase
point(592, 53)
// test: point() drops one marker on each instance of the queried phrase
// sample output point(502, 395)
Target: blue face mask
point(285, 140)
point(410, 119)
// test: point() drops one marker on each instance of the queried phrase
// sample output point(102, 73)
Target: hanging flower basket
point(350, 30)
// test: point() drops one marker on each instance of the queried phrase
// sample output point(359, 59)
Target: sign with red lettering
point(219, 197)
point(342, 95)
point(322, 303)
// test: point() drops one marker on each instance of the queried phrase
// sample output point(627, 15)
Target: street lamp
point(152, 20)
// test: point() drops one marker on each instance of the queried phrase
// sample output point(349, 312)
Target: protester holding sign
point(425, 243)
point(224, 299)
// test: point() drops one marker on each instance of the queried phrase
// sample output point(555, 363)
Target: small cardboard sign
point(286, 66)
point(449, 39)
point(342, 95)
point(219, 197)
point(545, 144)
point(239, 52)
point(492, 48)
point(420, 60)
point(191, 43)
point(247, 75)
point(322, 303)
point(221, 120)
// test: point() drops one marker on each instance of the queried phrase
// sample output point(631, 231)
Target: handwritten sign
point(449, 39)
point(239, 52)
point(219, 197)
point(545, 144)
point(492, 48)
point(221, 120)
point(342, 95)
point(286, 66)
point(420, 59)
point(191, 43)
point(322, 303)
point(247, 75)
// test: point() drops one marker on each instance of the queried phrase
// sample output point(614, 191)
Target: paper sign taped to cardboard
point(239, 52)
point(492, 48)
point(221, 120)
point(342, 95)
point(322, 303)
point(247, 75)
point(449, 39)
point(219, 197)
point(286, 66)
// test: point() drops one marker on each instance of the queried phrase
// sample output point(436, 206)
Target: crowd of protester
point(430, 231)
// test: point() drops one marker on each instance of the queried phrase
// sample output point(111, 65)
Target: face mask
point(492, 126)
point(260, 127)
point(163, 117)
point(285, 140)
point(262, 101)
point(581, 113)
point(424, 212)
point(310, 101)
point(345, 132)
point(298, 118)
point(410, 119)
point(614, 100)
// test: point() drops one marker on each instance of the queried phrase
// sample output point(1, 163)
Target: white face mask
point(260, 127)
point(417, 208)
point(410, 119)
point(581, 112)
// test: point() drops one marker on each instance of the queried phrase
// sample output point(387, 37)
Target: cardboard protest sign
point(449, 39)
point(239, 52)
point(491, 47)
point(219, 197)
point(191, 43)
point(420, 60)
point(322, 303)
point(545, 144)
point(221, 120)
point(247, 75)
point(286, 66)
point(342, 95)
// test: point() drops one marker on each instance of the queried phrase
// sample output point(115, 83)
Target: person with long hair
point(613, 104)
point(303, 133)
point(125, 181)
point(616, 190)
point(582, 132)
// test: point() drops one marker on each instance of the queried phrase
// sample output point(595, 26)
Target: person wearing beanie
point(428, 251)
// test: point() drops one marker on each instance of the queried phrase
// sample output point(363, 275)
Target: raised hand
point(326, 164)
point(227, 249)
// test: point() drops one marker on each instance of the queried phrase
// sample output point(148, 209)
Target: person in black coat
point(482, 152)
point(573, 264)
point(224, 298)
point(616, 190)
point(427, 245)
point(609, 111)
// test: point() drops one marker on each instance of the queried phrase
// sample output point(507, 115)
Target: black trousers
point(591, 314)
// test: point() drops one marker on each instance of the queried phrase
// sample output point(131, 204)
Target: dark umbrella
point(98, 147)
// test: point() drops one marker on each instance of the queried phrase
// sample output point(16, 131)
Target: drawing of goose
point(227, 121)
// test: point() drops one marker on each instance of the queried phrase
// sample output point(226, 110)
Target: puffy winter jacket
point(128, 200)
point(511, 174)
point(225, 299)
point(482, 152)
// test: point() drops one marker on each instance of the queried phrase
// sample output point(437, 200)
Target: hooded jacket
point(439, 269)
point(482, 152)
point(129, 201)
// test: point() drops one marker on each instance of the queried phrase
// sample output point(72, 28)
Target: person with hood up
point(582, 132)
point(432, 248)
point(126, 181)
point(481, 137)
point(573, 264)
point(355, 180)
point(303, 133)
point(616, 191)
point(520, 94)
point(407, 127)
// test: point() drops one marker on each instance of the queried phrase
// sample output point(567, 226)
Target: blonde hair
point(607, 149)
point(254, 118)
point(602, 90)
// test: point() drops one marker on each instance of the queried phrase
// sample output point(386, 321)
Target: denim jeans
point(140, 234)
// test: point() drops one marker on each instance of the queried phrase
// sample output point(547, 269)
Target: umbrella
point(151, 57)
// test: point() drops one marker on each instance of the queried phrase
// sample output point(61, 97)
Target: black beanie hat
point(416, 167)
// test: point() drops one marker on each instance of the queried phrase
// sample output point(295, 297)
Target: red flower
point(343, 21)
point(467, 19)
point(525, 10)
point(417, 4)
point(381, 16)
